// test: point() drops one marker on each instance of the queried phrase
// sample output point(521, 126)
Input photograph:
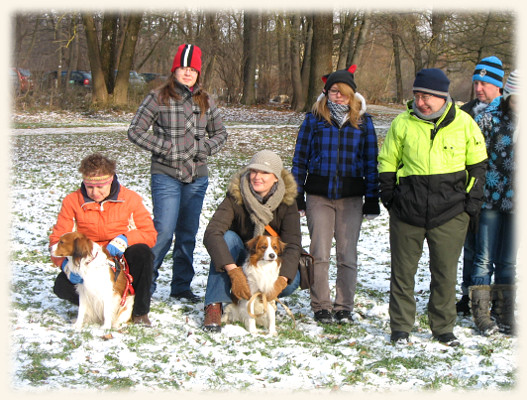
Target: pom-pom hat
point(340, 76)
point(432, 81)
point(512, 86)
point(188, 55)
point(489, 69)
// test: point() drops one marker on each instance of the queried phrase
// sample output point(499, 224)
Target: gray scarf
point(261, 213)
point(433, 116)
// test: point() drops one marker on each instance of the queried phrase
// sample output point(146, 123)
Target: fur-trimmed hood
point(287, 177)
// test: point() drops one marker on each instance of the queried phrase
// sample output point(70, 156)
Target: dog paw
point(273, 333)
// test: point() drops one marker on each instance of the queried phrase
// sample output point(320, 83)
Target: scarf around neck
point(339, 112)
point(260, 213)
point(433, 116)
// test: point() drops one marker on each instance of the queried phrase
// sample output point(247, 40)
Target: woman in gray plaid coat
point(186, 129)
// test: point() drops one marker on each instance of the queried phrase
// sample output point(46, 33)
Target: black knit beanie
point(340, 76)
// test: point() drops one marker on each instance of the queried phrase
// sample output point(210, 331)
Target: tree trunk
point(108, 46)
point(122, 81)
point(250, 37)
point(322, 50)
point(298, 100)
point(99, 90)
point(397, 60)
point(361, 38)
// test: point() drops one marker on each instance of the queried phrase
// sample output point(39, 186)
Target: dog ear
point(251, 244)
point(82, 248)
point(280, 246)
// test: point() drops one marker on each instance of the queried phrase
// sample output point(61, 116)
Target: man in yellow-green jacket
point(431, 172)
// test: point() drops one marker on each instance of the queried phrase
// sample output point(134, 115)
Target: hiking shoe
point(212, 322)
point(141, 320)
point(187, 294)
point(448, 339)
point(399, 337)
point(343, 317)
point(463, 305)
point(324, 317)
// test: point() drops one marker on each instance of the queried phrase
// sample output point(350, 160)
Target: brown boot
point(480, 298)
point(504, 297)
point(141, 320)
point(212, 321)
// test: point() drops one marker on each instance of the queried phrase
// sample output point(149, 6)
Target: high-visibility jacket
point(429, 172)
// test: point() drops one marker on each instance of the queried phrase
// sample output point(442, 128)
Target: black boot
point(463, 305)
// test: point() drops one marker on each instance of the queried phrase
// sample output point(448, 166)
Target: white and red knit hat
point(188, 55)
point(512, 86)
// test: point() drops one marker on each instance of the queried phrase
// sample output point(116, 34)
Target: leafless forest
point(254, 57)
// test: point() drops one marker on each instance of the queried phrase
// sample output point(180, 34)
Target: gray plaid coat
point(181, 137)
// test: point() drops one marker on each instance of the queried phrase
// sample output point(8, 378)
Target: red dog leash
point(125, 269)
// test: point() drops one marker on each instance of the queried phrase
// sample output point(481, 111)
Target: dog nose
point(272, 256)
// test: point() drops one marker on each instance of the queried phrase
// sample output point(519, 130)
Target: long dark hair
point(505, 106)
point(169, 90)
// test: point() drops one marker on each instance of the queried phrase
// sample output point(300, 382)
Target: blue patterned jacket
point(498, 129)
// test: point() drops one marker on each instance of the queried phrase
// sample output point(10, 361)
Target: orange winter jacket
point(122, 213)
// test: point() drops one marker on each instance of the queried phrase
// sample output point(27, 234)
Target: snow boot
point(480, 303)
point(504, 299)
point(463, 305)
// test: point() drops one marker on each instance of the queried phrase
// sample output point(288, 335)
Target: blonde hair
point(321, 110)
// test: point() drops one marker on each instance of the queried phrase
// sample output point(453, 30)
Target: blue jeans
point(496, 249)
point(177, 207)
point(219, 284)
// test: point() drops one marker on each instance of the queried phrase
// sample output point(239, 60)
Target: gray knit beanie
point(267, 161)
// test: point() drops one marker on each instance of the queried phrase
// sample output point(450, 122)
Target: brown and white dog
point(103, 298)
point(261, 269)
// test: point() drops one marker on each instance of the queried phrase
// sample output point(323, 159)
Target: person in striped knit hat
point(181, 126)
point(488, 84)
point(496, 247)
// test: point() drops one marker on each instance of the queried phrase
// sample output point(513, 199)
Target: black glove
point(300, 202)
point(371, 206)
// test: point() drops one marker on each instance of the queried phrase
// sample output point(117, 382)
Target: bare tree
point(250, 37)
point(322, 51)
point(295, 37)
point(120, 95)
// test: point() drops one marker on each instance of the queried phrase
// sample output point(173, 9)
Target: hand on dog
point(239, 285)
point(117, 246)
point(72, 276)
point(279, 285)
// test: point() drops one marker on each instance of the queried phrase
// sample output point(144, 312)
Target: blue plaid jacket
point(335, 162)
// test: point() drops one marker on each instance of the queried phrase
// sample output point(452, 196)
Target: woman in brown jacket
point(260, 194)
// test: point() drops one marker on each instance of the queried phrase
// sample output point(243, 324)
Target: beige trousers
point(340, 219)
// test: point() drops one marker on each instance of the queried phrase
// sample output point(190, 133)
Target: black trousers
point(141, 262)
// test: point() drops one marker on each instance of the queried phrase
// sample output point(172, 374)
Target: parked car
point(22, 80)
point(152, 79)
point(150, 76)
point(76, 78)
point(136, 80)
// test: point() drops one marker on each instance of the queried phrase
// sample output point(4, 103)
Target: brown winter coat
point(232, 215)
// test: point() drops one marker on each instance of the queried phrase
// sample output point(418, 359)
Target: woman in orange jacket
point(115, 217)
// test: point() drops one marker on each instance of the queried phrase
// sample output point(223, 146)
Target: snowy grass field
point(47, 355)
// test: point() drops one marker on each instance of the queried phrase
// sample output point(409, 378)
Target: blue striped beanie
point(489, 69)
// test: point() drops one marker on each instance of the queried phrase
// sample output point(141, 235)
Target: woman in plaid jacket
point(335, 164)
point(186, 129)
